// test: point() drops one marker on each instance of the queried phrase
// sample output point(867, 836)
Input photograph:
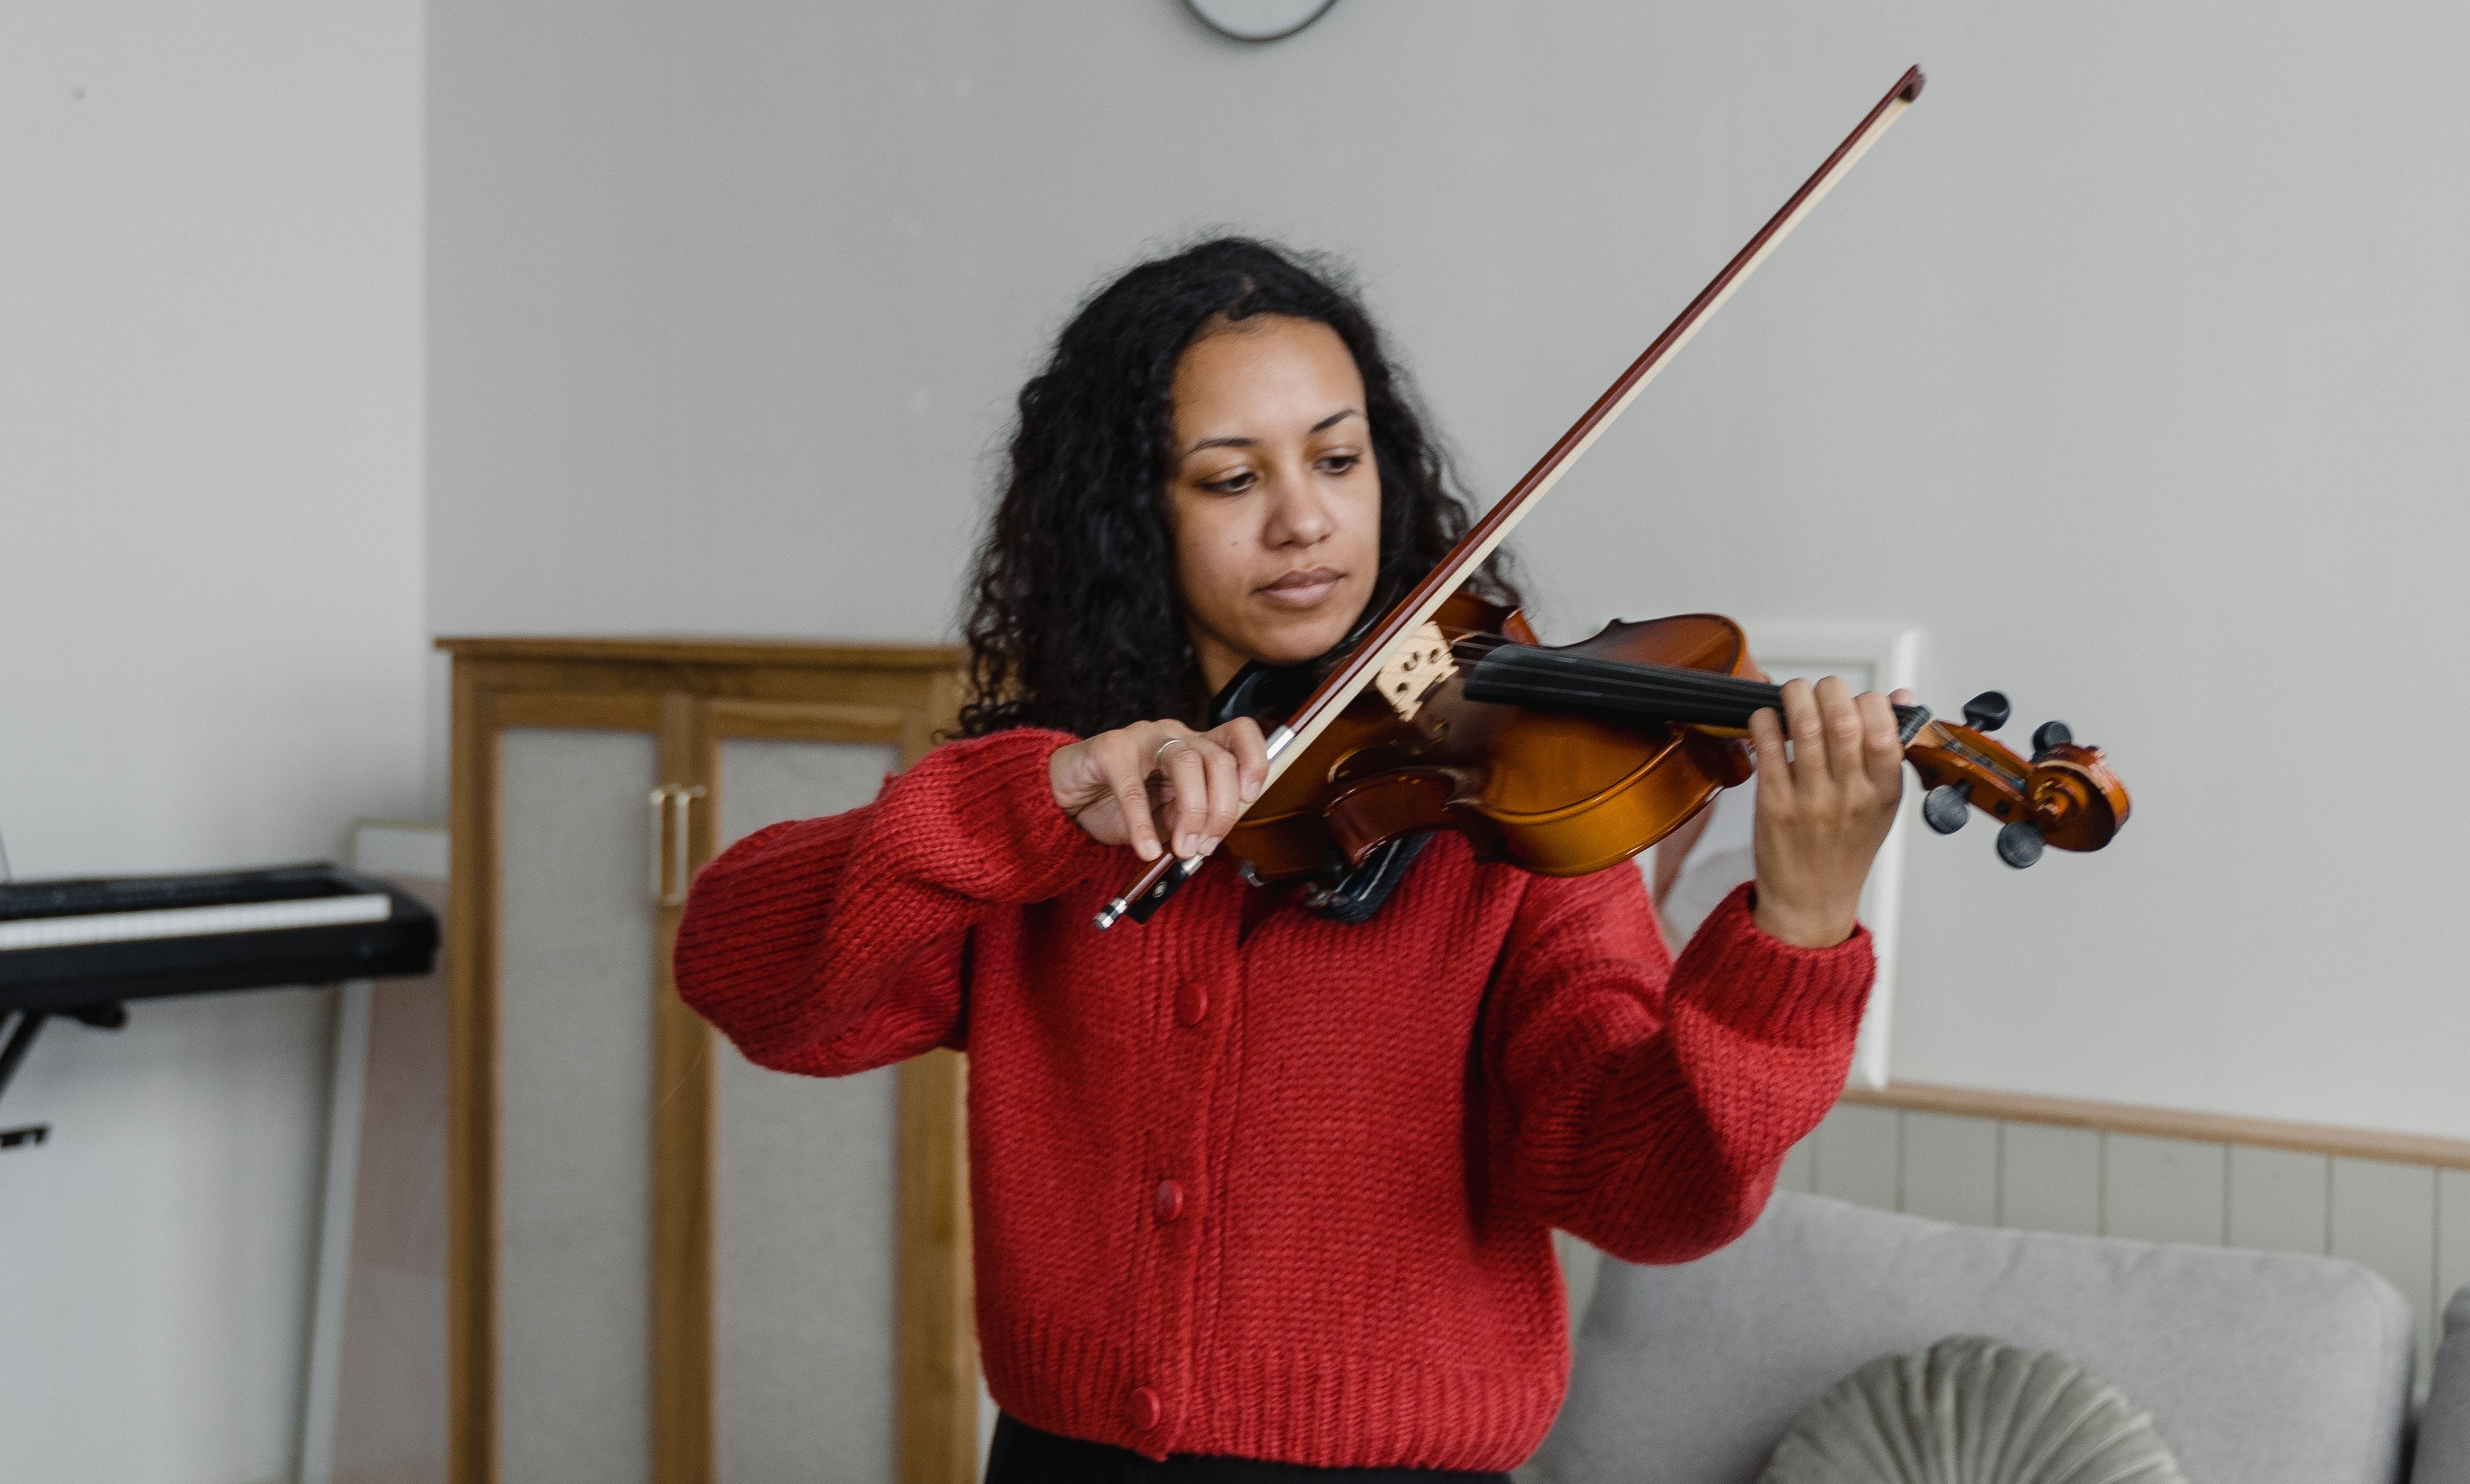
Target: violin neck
point(1616, 690)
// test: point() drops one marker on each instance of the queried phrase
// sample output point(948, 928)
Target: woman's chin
point(1296, 643)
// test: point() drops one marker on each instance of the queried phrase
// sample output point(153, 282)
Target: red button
point(1169, 1201)
point(1145, 1409)
point(1192, 1003)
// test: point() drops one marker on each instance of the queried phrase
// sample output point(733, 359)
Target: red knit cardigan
point(1253, 1182)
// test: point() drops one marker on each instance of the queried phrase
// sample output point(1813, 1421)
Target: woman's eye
point(1341, 463)
point(1233, 484)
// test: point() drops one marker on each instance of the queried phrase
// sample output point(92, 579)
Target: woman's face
point(1273, 497)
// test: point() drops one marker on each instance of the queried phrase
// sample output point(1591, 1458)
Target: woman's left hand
point(1823, 813)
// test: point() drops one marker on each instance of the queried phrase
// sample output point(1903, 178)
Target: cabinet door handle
point(659, 856)
point(681, 811)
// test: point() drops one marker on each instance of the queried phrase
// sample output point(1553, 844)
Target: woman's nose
point(1299, 515)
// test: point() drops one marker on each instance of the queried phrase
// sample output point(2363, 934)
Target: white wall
point(210, 582)
point(2133, 365)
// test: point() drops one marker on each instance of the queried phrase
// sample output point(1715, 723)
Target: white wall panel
point(1950, 1169)
point(2163, 1189)
point(2453, 1234)
point(2050, 1179)
point(2279, 1200)
point(2383, 1216)
point(1799, 1171)
point(1859, 1148)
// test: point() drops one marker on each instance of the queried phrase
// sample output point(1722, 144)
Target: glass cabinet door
point(805, 1197)
point(576, 963)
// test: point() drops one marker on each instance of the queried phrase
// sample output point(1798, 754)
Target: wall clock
point(1258, 21)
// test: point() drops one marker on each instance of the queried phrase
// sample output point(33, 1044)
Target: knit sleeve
point(1650, 1103)
point(830, 946)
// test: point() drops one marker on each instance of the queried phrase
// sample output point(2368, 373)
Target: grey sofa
point(2444, 1427)
point(2260, 1368)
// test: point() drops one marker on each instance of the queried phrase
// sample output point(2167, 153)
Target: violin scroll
point(2065, 795)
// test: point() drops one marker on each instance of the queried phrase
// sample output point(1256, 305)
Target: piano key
point(122, 927)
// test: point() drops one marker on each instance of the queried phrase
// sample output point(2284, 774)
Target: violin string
point(1530, 676)
point(1705, 682)
point(1708, 697)
point(1709, 690)
point(1511, 684)
point(1639, 700)
point(1598, 704)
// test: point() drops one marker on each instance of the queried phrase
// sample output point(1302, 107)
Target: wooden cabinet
point(669, 1265)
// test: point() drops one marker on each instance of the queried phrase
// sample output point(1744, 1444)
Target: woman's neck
point(1219, 660)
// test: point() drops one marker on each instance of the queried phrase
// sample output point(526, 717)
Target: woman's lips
point(1304, 589)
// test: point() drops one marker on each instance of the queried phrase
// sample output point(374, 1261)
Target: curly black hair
point(1074, 621)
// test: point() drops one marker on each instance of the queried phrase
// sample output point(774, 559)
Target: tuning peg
point(1987, 711)
point(2050, 734)
point(2019, 843)
point(1944, 808)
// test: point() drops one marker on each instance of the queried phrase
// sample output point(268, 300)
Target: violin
point(1448, 713)
point(1566, 760)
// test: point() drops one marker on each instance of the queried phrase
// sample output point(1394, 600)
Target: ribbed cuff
point(1770, 989)
point(1012, 844)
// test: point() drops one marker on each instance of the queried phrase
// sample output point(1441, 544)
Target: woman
point(1250, 1182)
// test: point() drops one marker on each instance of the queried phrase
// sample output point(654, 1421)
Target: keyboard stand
point(21, 1037)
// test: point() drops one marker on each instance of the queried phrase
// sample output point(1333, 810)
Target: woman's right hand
point(1135, 784)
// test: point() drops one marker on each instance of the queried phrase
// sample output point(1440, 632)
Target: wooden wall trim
point(656, 649)
point(2167, 1123)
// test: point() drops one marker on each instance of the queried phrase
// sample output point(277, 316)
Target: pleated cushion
point(1970, 1410)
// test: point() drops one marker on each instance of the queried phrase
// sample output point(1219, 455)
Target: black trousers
point(1022, 1454)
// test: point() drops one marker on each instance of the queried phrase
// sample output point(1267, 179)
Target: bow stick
point(1342, 684)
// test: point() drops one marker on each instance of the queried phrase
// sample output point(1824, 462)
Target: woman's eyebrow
point(1323, 425)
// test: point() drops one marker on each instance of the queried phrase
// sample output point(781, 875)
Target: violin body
point(1556, 793)
point(1583, 769)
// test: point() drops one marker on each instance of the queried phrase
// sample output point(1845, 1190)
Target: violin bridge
point(1420, 661)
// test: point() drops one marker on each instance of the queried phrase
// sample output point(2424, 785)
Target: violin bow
point(1342, 684)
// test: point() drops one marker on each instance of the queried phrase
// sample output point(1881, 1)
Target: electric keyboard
point(67, 946)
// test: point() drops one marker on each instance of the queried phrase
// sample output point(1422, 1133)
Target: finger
point(1902, 695)
point(1187, 772)
point(1226, 794)
point(1766, 739)
point(1242, 737)
point(1883, 744)
point(1841, 720)
point(1801, 723)
point(1124, 763)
